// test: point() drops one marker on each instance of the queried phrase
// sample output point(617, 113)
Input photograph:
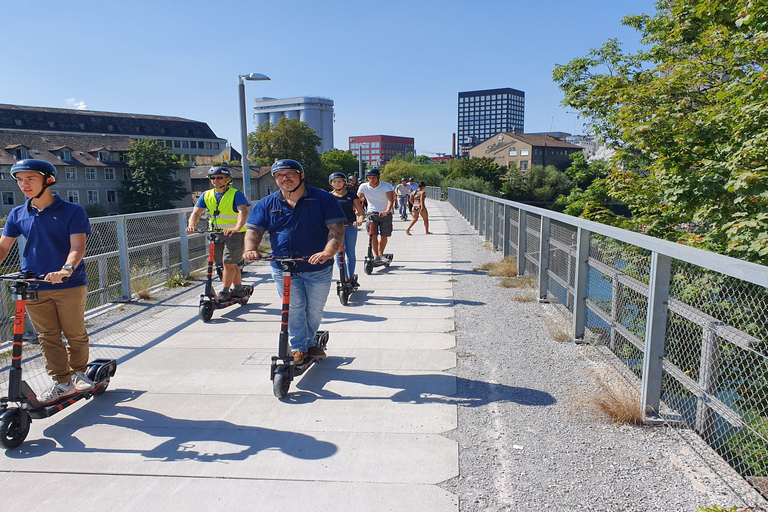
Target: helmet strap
point(45, 186)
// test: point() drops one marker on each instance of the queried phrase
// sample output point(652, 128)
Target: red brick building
point(379, 149)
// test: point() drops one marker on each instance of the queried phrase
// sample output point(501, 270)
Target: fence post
point(710, 354)
point(122, 249)
point(521, 216)
point(655, 330)
point(183, 244)
point(507, 218)
point(544, 259)
point(103, 279)
point(495, 225)
point(580, 285)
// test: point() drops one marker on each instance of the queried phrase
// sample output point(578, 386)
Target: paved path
point(190, 421)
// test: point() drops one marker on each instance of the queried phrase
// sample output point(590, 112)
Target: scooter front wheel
point(280, 384)
point(344, 296)
point(11, 432)
point(368, 267)
point(206, 311)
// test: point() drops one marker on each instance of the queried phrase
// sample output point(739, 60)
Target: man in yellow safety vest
point(227, 212)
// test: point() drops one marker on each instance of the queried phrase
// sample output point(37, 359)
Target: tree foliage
point(151, 186)
point(289, 138)
point(688, 116)
point(539, 183)
point(336, 160)
point(484, 168)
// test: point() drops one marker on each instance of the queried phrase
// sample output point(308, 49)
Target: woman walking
point(418, 198)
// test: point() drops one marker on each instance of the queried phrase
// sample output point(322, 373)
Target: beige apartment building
point(525, 151)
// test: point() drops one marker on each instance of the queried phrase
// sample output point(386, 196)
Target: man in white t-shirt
point(379, 198)
point(403, 191)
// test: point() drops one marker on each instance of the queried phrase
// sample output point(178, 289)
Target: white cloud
point(79, 105)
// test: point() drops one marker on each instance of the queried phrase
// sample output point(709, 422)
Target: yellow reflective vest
point(227, 216)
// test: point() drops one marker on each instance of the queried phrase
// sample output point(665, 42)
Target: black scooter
point(370, 259)
point(208, 300)
point(283, 369)
point(346, 285)
point(16, 420)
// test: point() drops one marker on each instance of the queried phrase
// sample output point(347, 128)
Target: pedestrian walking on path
point(418, 198)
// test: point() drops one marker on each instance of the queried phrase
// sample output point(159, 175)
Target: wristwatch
point(68, 267)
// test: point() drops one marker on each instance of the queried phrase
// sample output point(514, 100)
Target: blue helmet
point(373, 171)
point(38, 166)
point(286, 165)
point(337, 176)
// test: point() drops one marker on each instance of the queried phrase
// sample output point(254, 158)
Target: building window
point(513, 152)
point(177, 144)
point(185, 144)
point(73, 196)
point(200, 144)
point(523, 165)
point(5, 173)
point(8, 199)
point(109, 173)
point(207, 145)
point(21, 154)
point(66, 154)
point(90, 173)
point(93, 197)
point(111, 196)
point(215, 145)
point(70, 173)
point(103, 156)
point(127, 173)
point(523, 152)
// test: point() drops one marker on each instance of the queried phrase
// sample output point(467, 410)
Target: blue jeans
point(309, 291)
point(403, 204)
point(350, 239)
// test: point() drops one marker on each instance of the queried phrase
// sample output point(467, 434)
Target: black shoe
point(224, 296)
point(239, 294)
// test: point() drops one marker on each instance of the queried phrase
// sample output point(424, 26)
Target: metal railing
point(688, 326)
point(125, 254)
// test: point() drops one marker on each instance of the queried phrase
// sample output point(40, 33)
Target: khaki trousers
point(54, 312)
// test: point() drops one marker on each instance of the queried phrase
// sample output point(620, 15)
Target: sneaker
point(377, 260)
point(56, 392)
point(385, 259)
point(81, 382)
point(238, 294)
point(298, 356)
point(316, 352)
point(354, 281)
point(223, 296)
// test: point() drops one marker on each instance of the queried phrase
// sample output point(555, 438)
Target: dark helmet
point(337, 176)
point(373, 171)
point(38, 166)
point(351, 177)
point(220, 171)
point(412, 179)
point(286, 165)
point(404, 179)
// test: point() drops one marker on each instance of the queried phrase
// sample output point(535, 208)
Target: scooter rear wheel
point(280, 384)
point(206, 311)
point(11, 433)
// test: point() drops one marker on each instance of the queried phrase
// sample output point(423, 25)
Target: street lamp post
point(360, 151)
point(244, 130)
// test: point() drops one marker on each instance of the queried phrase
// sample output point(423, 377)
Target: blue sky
point(392, 67)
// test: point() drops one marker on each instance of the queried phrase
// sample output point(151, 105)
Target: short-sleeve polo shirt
point(47, 232)
point(299, 231)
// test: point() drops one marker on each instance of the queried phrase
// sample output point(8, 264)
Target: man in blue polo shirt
point(303, 221)
point(55, 231)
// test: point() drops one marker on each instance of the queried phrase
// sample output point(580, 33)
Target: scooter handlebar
point(28, 277)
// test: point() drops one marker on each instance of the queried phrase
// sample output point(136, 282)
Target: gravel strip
point(520, 449)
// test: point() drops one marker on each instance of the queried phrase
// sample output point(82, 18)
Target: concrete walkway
point(190, 421)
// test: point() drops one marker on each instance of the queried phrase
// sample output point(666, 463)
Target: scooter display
point(20, 406)
point(370, 259)
point(346, 285)
point(209, 302)
point(284, 369)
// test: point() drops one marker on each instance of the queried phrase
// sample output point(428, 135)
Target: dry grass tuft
point(504, 268)
point(612, 400)
point(558, 328)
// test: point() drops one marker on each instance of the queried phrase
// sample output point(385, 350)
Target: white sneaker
point(56, 392)
point(81, 382)
point(385, 259)
point(377, 260)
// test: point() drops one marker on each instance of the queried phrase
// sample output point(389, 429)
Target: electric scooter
point(16, 420)
point(346, 285)
point(370, 259)
point(208, 300)
point(283, 369)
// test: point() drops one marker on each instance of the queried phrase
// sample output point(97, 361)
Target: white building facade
point(316, 111)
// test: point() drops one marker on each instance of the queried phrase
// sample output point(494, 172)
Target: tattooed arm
point(335, 236)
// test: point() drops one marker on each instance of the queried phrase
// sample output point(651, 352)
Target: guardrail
point(689, 326)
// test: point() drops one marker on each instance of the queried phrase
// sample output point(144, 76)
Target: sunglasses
point(214, 178)
point(286, 176)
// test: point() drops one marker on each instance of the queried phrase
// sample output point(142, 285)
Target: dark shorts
point(230, 249)
point(382, 225)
